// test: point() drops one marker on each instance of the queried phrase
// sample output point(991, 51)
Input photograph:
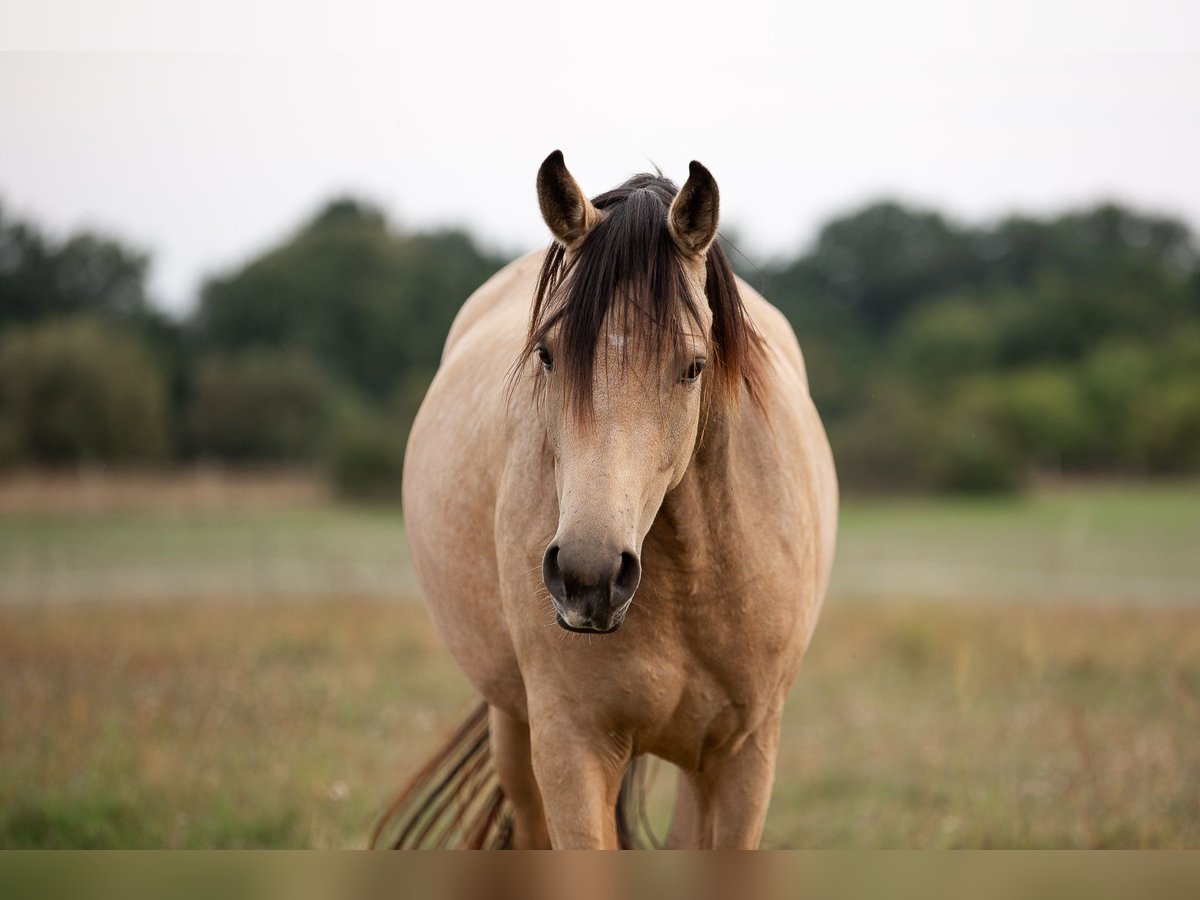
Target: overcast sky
point(443, 114)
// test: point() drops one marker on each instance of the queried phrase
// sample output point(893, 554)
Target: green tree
point(1028, 343)
point(887, 258)
point(1039, 412)
point(368, 303)
point(79, 389)
point(87, 273)
point(265, 406)
point(940, 343)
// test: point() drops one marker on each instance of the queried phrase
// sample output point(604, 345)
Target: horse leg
point(579, 780)
point(738, 791)
point(684, 833)
point(514, 768)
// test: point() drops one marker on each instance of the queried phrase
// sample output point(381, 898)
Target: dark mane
point(630, 267)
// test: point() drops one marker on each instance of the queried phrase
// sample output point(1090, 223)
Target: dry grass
point(102, 490)
point(241, 724)
point(934, 725)
point(213, 725)
point(1117, 544)
point(184, 668)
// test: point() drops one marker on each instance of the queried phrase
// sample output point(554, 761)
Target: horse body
point(734, 552)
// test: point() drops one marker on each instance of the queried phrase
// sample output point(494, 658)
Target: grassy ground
point(213, 724)
point(155, 555)
point(1103, 544)
point(1034, 682)
point(1117, 545)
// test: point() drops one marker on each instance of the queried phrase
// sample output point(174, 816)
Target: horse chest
point(714, 670)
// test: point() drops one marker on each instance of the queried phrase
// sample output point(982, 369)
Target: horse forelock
point(629, 275)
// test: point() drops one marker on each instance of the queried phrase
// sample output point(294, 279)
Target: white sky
point(443, 113)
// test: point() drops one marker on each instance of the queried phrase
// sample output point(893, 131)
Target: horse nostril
point(552, 574)
point(628, 576)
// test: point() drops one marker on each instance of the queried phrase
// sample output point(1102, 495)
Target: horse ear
point(695, 211)
point(566, 209)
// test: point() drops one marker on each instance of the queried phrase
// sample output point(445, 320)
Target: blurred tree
point(992, 339)
point(946, 340)
point(86, 273)
point(941, 356)
point(366, 461)
point(885, 259)
point(1165, 429)
point(79, 389)
point(898, 441)
point(1145, 401)
point(367, 303)
point(1104, 240)
point(1039, 412)
point(265, 406)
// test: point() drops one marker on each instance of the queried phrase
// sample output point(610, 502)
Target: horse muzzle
point(591, 591)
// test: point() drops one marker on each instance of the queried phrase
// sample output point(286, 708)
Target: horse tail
point(455, 801)
point(634, 831)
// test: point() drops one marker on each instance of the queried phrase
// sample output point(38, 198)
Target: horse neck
point(693, 515)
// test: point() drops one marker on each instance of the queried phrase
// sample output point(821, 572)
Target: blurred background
point(225, 279)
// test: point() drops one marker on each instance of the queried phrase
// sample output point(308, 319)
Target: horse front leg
point(737, 792)
point(579, 773)
point(686, 820)
point(514, 768)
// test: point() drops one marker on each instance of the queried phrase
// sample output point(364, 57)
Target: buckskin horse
point(621, 508)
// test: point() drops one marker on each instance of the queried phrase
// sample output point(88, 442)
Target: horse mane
point(630, 267)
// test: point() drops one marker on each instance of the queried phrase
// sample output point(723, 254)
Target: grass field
point(987, 673)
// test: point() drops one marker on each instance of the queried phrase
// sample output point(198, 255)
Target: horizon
point(203, 160)
point(731, 233)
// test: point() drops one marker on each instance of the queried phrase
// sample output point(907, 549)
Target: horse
point(621, 508)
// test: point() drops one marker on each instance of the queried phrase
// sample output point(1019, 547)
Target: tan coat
point(731, 517)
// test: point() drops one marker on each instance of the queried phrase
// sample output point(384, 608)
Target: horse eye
point(693, 371)
point(544, 355)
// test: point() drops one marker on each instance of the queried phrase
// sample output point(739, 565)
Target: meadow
point(256, 670)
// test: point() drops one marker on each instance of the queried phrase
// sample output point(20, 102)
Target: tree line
point(942, 355)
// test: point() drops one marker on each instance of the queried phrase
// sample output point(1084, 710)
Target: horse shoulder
point(776, 331)
point(794, 493)
point(453, 469)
